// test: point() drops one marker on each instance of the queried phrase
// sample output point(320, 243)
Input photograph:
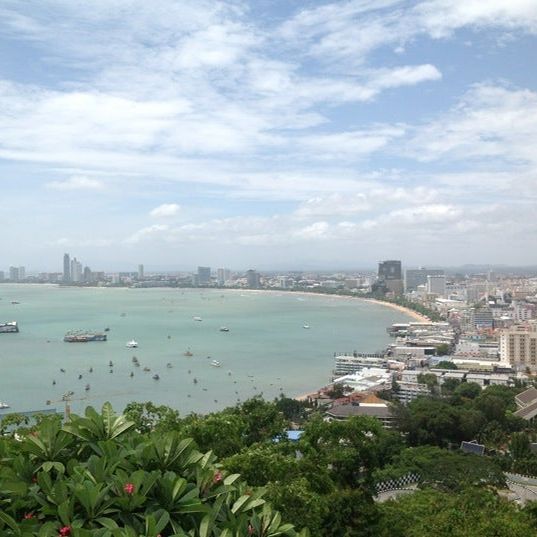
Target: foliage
point(96, 477)
point(472, 513)
point(444, 364)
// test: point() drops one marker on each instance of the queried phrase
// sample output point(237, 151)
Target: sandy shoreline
point(407, 311)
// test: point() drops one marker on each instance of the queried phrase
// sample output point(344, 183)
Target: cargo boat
point(9, 328)
point(81, 336)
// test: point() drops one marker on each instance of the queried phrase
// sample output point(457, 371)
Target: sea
point(267, 351)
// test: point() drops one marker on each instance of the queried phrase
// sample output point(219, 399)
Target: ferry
point(83, 336)
point(10, 327)
point(132, 344)
point(216, 363)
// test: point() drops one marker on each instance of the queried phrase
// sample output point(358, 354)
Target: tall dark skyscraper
point(66, 268)
point(390, 270)
point(204, 275)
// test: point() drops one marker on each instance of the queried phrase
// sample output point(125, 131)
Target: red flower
point(128, 488)
point(217, 477)
point(65, 531)
point(27, 516)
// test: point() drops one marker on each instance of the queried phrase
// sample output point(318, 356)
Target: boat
point(87, 388)
point(197, 318)
point(4, 405)
point(216, 363)
point(306, 326)
point(147, 369)
point(169, 365)
point(224, 329)
point(188, 353)
point(10, 327)
point(15, 302)
point(132, 344)
point(110, 364)
point(156, 376)
point(134, 360)
point(107, 329)
point(83, 336)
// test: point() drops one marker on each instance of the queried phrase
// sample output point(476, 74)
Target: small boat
point(91, 369)
point(62, 370)
point(4, 405)
point(156, 376)
point(132, 344)
point(107, 329)
point(306, 326)
point(169, 365)
point(87, 388)
point(79, 377)
point(110, 364)
point(134, 360)
point(197, 319)
point(147, 369)
point(224, 329)
point(188, 353)
point(54, 383)
point(216, 363)
point(195, 380)
point(132, 374)
point(15, 302)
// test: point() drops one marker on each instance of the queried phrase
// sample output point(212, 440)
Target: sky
point(267, 134)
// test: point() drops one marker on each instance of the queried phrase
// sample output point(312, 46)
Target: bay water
point(266, 351)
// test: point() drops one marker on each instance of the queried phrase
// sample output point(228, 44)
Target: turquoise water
point(267, 350)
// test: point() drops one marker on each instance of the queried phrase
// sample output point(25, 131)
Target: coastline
point(407, 311)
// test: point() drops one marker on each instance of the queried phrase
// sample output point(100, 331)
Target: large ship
point(83, 336)
point(6, 328)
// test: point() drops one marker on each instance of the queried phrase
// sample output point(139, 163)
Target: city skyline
point(258, 134)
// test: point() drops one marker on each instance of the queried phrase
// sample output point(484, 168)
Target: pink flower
point(217, 477)
point(128, 488)
point(28, 516)
point(65, 531)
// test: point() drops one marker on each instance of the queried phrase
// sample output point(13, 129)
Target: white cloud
point(156, 231)
point(77, 183)
point(165, 210)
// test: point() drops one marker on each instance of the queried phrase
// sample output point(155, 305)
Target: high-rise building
point(223, 275)
point(66, 268)
point(390, 276)
point(2, 276)
point(140, 272)
point(390, 270)
point(76, 270)
point(87, 275)
point(518, 346)
point(415, 277)
point(253, 279)
point(436, 285)
point(14, 274)
point(22, 273)
point(204, 275)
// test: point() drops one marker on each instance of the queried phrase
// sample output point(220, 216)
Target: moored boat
point(132, 344)
point(83, 336)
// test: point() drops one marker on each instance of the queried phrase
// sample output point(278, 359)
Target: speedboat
point(132, 344)
point(188, 353)
point(197, 318)
point(224, 329)
point(156, 376)
point(216, 363)
point(306, 326)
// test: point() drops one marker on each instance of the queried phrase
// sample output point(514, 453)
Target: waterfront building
point(204, 275)
point(253, 279)
point(66, 268)
point(22, 273)
point(390, 276)
point(416, 277)
point(76, 270)
point(223, 275)
point(140, 272)
point(436, 284)
point(14, 274)
point(2, 276)
point(518, 346)
point(88, 275)
point(349, 364)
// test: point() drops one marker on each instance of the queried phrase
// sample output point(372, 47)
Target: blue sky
point(268, 133)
